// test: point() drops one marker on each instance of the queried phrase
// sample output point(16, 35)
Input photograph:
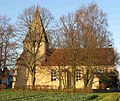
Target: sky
point(12, 8)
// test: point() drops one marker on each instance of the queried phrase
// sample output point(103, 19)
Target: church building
point(40, 65)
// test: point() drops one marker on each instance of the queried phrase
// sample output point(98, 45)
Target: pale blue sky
point(12, 8)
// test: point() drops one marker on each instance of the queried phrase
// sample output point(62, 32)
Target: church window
point(53, 75)
point(78, 75)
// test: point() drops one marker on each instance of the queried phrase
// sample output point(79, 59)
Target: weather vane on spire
point(37, 3)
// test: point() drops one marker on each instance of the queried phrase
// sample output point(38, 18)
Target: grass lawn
point(55, 96)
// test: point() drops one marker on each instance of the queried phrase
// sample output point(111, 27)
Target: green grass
point(108, 96)
point(55, 96)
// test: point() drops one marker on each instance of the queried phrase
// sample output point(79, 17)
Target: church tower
point(36, 36)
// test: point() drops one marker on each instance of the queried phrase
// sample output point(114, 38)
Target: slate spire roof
point(37, 26)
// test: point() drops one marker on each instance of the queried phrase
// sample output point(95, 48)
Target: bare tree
point(31, 59)
point(25, 19)
point(69, 36)
point(85, 29)
point(35, 45)
point(93, 23)
point(8, 46)
point(117, 58)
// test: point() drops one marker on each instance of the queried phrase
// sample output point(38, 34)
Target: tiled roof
point(68, 57)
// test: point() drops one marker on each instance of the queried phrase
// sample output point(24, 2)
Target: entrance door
point(68, 79)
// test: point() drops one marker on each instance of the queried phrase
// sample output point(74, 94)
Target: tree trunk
point(33, 81)
point(60, 83)
point(88, 81)
point(73, 83)
point(60, 80)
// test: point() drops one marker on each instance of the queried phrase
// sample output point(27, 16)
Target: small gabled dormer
point(37, 35)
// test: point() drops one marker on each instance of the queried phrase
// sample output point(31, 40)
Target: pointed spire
point(37, 21)
point(36, 14)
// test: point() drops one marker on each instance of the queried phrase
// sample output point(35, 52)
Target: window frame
point(53, 75)
point(78, 75)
